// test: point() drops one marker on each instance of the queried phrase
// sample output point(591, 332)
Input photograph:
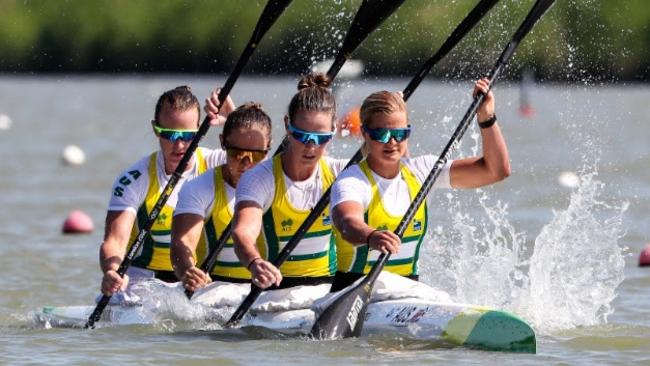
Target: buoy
point(351, 122)
point(526, 108)
point(644, 257)
point(5, 122)
point(78, 222)
point(568, 179)
point(351, 69)
point(73, 155)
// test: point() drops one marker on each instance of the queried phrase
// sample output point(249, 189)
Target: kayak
point(406, 312)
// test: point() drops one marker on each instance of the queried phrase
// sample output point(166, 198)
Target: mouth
point(391, 151)
point(309, 157)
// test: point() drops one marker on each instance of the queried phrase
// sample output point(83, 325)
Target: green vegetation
point(579, 40)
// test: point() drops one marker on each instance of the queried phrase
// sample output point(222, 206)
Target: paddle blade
point(344, 317)
point(370, 15)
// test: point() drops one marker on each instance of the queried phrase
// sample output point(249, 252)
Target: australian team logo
point(286, 224)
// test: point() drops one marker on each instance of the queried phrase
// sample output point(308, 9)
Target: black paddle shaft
point(270, 14)
point(345, 316)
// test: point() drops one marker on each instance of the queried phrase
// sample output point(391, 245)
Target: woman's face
point(242, 144)
point(313, 121)
point(183, 120)
point(392, 151)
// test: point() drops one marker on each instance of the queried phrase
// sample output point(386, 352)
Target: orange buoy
point(644, 257)
point(351, 122)
point(78, 222)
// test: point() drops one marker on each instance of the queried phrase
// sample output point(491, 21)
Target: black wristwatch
point(488, 123)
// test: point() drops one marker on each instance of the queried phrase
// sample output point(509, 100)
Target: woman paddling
point(208, 201)
point(137, 189)
point(276, 196)
point(369, 199)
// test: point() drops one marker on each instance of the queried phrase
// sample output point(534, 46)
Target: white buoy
point(351, 69)
point(5, 122)
point(568, 179)
point(73, 155)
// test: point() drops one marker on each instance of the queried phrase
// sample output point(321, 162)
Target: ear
point(221, 140)
point(286, 122)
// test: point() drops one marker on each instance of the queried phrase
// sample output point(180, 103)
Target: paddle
point(344, 317)
point(370, 15)
point(270, 14)
point(468, 23)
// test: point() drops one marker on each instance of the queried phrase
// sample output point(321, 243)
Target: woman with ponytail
point(276, 196)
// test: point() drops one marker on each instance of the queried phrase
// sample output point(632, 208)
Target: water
point(563, 259)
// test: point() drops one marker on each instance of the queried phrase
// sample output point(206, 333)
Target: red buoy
point(644, 257)
point(78, 222)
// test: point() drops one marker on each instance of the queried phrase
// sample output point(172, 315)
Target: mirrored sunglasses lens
point(254, 156)
point(305, 138)
point(177, 135)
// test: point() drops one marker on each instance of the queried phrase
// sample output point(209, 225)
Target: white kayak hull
point(457, 324)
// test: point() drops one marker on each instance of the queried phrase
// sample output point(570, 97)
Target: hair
point(246, 116)
point(314, 94)
point(180, 98)
point(381, 102)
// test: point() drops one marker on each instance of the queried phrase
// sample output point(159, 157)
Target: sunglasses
point(173, 134)
point(240, 154)
point(384, 135)
point(318, 138)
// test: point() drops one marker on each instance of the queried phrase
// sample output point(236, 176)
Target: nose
point(246, 162)
point(180, 144)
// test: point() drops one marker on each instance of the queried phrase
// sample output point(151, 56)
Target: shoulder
point(130, 187)
point(258, 177)
point(137, 172)
point(202, 181)
point(422, 165)
point(352, 172)
point(336, 165)
point(196, 195)
point(214, 157)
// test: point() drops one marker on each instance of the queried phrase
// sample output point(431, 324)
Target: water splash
point(566, 277)
point(577, 264)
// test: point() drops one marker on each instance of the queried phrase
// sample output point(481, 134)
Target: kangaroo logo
point(417, 225)
point(161, 219)
point(383, 227)
point(286, 224)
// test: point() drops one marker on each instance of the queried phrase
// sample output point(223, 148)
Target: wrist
point(248, 266)
point(488, 122)
point(369, 236)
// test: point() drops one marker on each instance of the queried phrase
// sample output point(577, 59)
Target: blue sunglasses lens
point(318, 138)
point(384, 135)
point(173, 136)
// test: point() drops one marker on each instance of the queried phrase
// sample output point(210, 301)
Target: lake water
point(564, 259)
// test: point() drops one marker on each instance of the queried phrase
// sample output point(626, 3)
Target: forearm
point(495, 153)
point(186, 232)
point(245, 245)
point(110, 256)
point(355, 231)
point(181, 257)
